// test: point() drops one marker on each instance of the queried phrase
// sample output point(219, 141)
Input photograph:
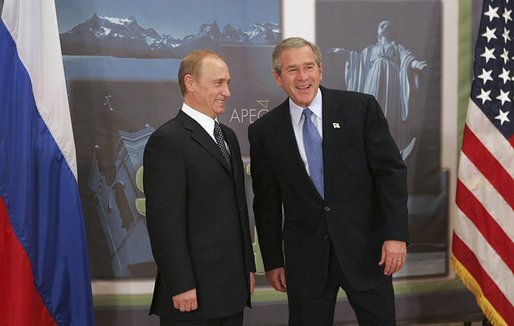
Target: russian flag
point(44, 273)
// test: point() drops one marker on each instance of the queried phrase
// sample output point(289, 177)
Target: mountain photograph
point(124, 37)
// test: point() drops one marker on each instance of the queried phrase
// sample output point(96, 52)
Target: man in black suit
point(326, 159)
point(196, 205)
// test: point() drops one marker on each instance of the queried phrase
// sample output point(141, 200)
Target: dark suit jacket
point(365, 194)
point(197, 220)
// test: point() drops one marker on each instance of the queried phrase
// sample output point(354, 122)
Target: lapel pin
point(336, 125)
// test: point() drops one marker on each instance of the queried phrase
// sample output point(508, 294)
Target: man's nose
point(226, 91)
point(301, 74)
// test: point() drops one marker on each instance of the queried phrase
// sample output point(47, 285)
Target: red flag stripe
point(488, 287)
point(24, 306)
point(486, 225)
point(489, 259)
point(490, 137)
point(488, 166)
point(480, 187)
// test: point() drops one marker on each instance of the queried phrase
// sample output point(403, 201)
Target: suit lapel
point(333, 128)
point(286, 140)
point(288, 148)
point(199, 134)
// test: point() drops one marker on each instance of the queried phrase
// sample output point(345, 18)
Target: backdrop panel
point(404, 75)
point(121, 62)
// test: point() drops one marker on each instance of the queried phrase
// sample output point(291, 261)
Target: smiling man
point(326, 159)
point(196, 205)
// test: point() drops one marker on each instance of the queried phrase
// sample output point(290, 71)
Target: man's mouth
point(304, 87)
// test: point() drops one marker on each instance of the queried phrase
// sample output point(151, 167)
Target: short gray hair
point(289, 43)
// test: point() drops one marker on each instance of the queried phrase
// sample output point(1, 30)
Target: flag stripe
point(480, 217)
point(489, 260)
point(479, 186)
point(24, 305)
point(492, 139)
point(488, 166)
point(489, 290)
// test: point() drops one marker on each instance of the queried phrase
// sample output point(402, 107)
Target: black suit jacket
point(365, 194)
point(197, 220)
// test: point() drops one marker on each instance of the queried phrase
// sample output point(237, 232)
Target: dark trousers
point(372, 307)
point(232, 320)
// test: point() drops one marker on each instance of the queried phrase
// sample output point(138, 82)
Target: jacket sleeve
point(267, 203)
point(165, 190)
point(241, 198)
point(389, 173)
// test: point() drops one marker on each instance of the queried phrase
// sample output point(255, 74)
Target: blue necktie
point(312, 143)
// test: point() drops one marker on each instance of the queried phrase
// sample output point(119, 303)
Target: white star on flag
point(488, 54)
point(492, 13)
point(503, 117)
point(506, 15)
point(489, 34)
point(486, 75)
point(484, 96)
point(505, 35)
point(504, 96)
point(505, 75)
point(505, 55)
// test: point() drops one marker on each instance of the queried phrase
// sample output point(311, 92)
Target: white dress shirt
point(205, 121)
point(297, 119)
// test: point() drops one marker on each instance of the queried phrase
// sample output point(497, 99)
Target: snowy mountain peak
point(118, 21)
point(115, 36)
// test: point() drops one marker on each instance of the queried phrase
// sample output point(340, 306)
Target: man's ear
point(189, 82)
point(277, 78)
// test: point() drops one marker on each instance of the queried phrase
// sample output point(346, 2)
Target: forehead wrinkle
point(216, 80)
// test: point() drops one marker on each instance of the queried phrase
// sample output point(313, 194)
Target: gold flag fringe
point(492, 315)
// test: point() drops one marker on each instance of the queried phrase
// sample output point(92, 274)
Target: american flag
point(483, 234)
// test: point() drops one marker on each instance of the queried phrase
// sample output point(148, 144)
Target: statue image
point(390, 72)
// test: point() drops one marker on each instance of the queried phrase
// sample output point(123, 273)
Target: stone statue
point(390, 72)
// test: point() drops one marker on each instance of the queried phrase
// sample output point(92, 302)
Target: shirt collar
point(315, 107)
point(204, 120)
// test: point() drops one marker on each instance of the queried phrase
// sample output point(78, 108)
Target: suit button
point(325, 237)
point(327, 209)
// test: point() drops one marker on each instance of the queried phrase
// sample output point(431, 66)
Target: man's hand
point(185, 301)
point(252, 282)
point(393, 256)
point(277, 278)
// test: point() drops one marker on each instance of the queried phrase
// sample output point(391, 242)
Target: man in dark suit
point(326, 159)
point(196, 205)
